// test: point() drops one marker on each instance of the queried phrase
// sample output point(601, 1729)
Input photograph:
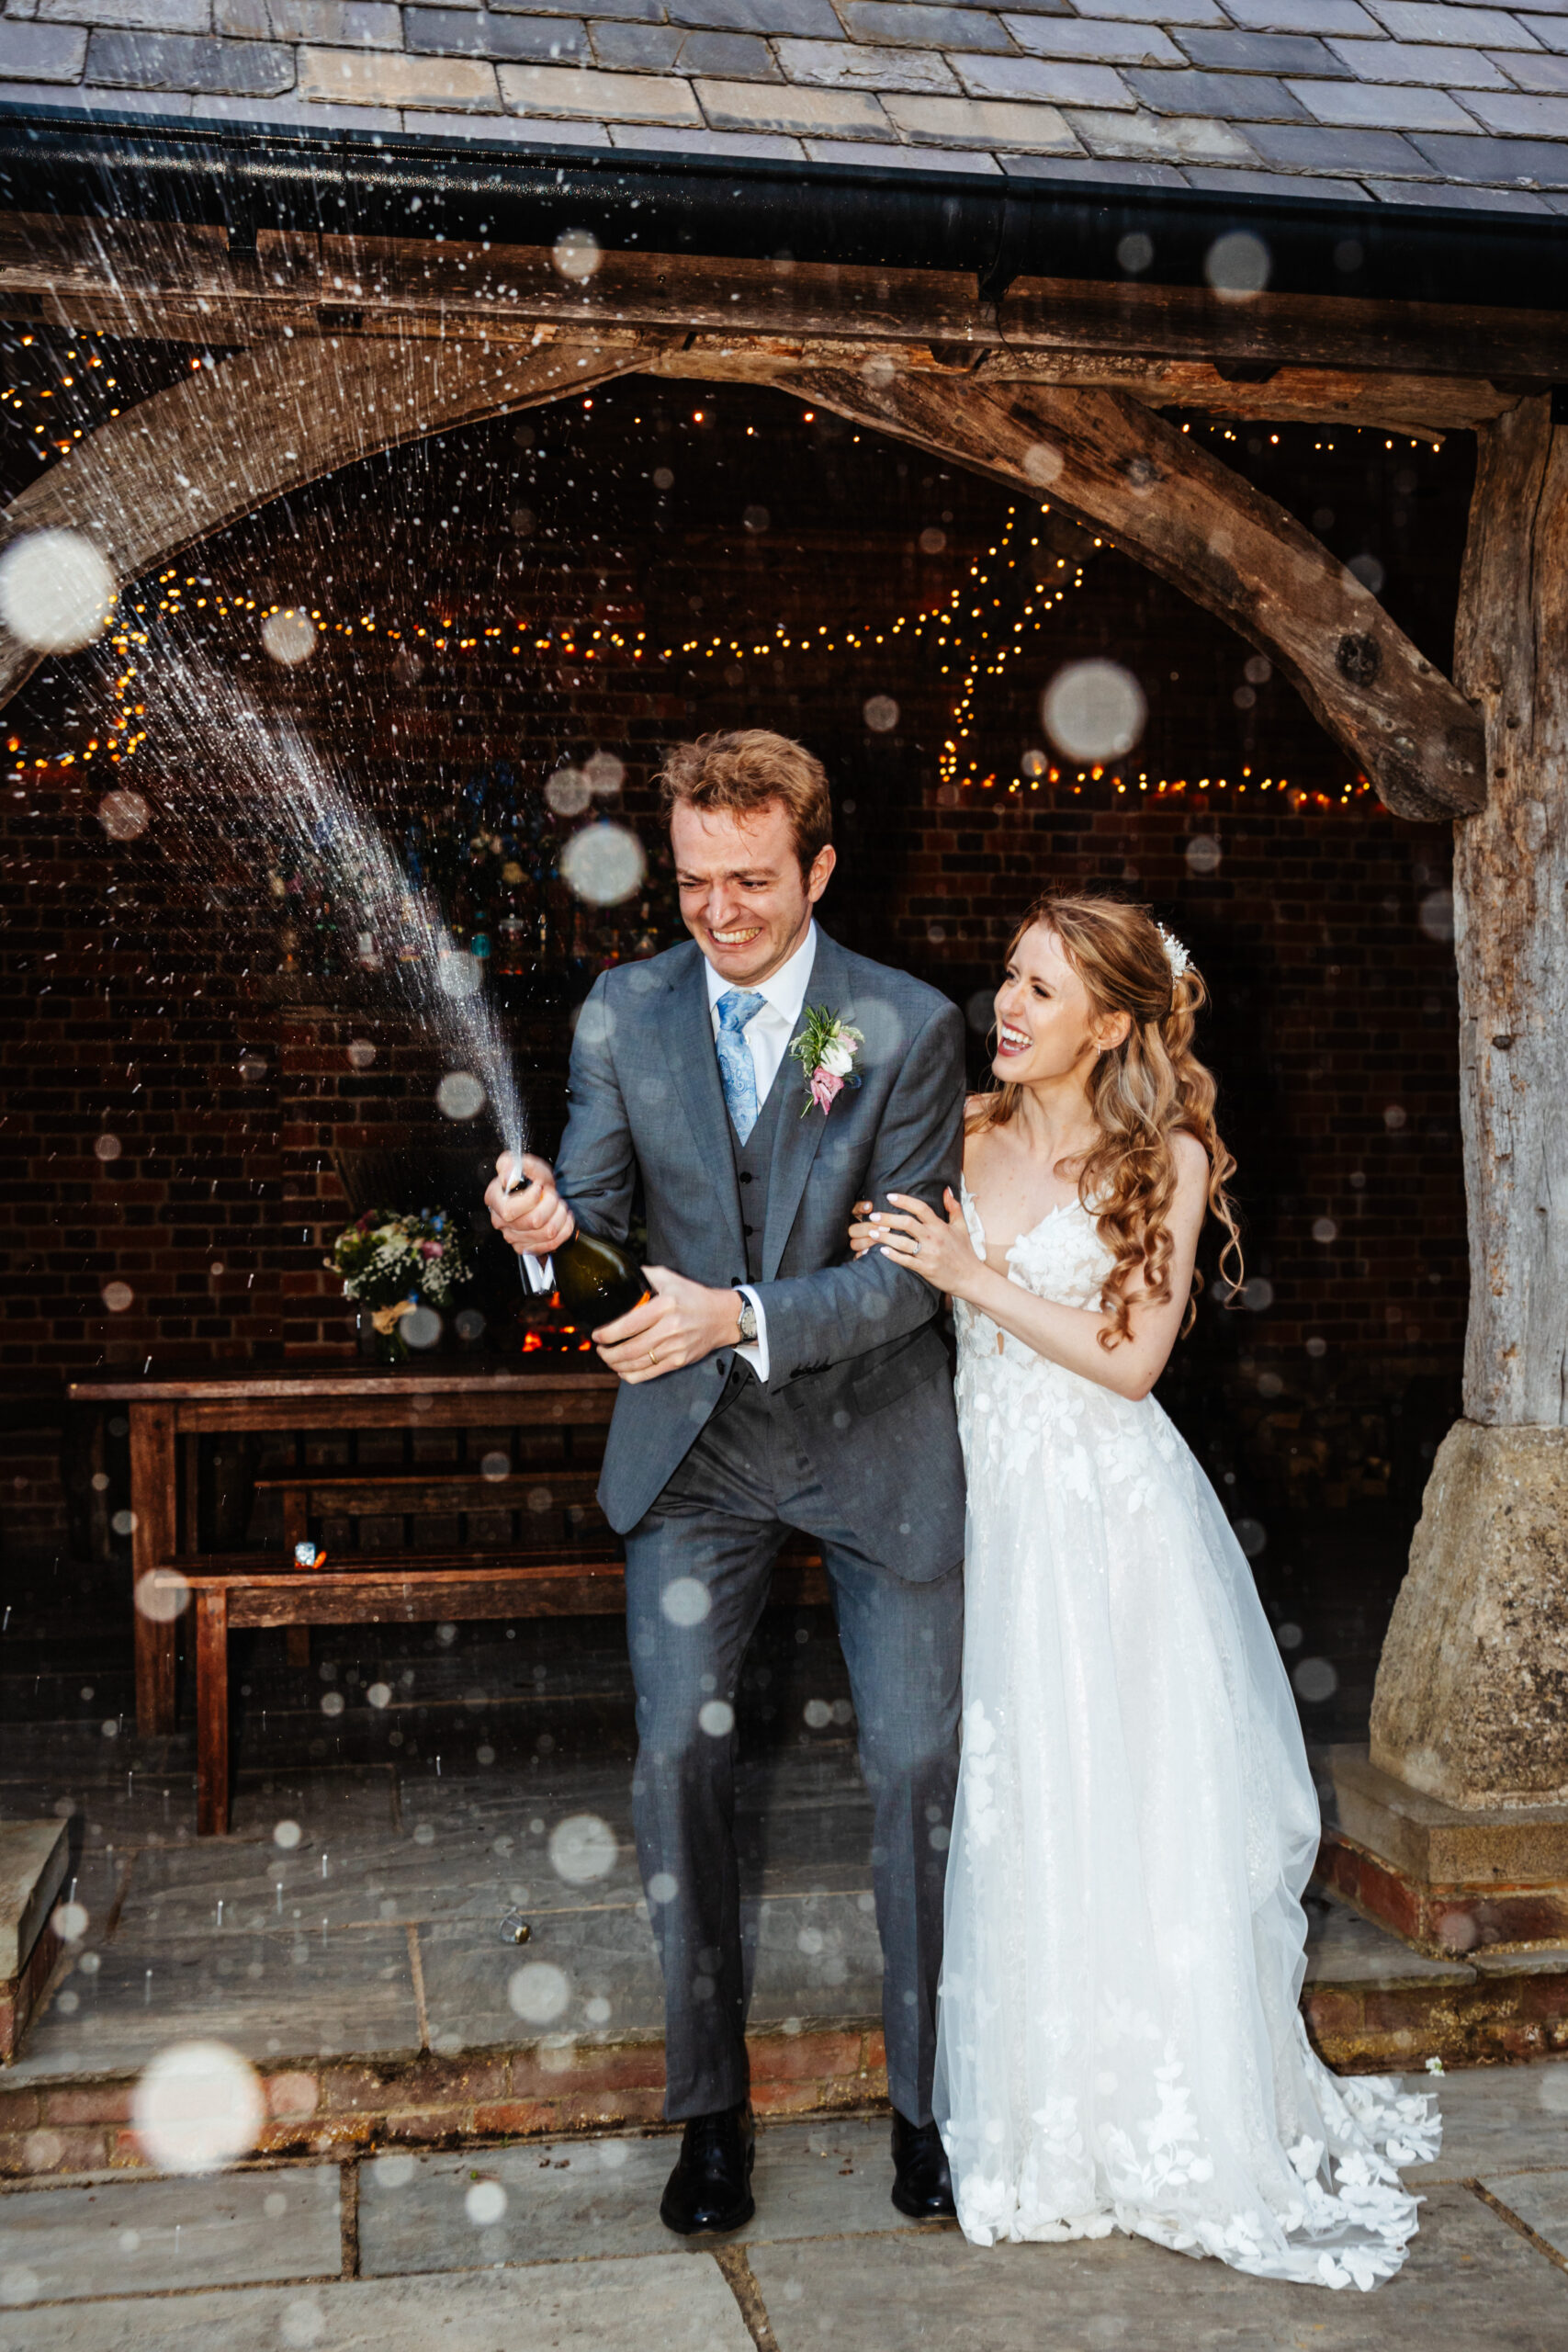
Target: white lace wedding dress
point(1119, 2039)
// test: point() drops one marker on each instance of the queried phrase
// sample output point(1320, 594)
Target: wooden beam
point(1171, 505)
point(194, 458)
point(1511, 934)
point(1406, 366)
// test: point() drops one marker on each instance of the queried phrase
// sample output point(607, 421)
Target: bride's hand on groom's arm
point(912, 1235)
point(683, 1322)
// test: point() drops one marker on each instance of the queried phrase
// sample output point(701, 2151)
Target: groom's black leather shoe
point(710, 2189)
point(922, 2186)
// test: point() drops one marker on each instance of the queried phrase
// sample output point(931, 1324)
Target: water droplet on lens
point(56, 591)
point(576, 254)
point(289, 637)
point(460, 1095)
point(123, 814)
point(603, 864)
point(685, 1601)
point(1093, 710)
point(198, 2106)
point(582, 1847)
point(538, 1991)
point(485, 2203)
point(1236, 266)
point(568, 792)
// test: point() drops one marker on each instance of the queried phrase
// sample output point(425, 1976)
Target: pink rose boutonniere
point(825, 1050)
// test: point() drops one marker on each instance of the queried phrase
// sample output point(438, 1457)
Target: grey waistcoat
point(753, 1165)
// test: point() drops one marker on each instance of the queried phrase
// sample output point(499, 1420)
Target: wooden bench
point(409, 1588)
point(553, 1504)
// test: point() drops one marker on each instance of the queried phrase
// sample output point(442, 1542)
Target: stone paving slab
point(273, 1996)
point(132, 2236)
point(816, 1955)
point(1540, 2201)
point(569, 2198)
point(670, 2302)
point(1471, 2281)
point(1499, 2120)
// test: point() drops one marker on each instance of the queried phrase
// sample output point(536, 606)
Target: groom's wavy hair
point(740, 770)
point(1143, 1092)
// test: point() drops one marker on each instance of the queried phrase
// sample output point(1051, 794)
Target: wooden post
point(1472, 1701)
point(211, 1714)
point(153, 1460)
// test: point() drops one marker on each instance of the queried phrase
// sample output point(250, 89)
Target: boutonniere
point(825, 1050)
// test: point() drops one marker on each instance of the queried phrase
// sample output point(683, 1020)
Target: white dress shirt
point(768, 1033)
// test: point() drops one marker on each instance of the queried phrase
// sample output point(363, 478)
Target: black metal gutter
point(101, 165)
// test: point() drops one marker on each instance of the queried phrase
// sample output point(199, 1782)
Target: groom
point(770, 1384)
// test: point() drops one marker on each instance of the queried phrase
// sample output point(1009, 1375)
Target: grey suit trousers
point(713, 1534)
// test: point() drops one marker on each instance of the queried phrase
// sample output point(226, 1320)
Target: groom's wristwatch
point(748, 1322)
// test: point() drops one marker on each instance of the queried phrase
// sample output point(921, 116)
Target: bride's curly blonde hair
point(1143, 1092)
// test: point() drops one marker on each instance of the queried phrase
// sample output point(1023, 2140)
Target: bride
point(1119, 2041)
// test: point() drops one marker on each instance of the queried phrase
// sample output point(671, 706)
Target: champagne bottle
point(598, 1280)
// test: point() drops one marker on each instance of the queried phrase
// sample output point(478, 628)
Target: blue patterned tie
point(737, 1070)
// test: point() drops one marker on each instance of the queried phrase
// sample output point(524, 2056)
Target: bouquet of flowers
point(390, 1263)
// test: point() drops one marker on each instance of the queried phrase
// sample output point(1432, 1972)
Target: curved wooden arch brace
point(192, 459)
point(1111, 462)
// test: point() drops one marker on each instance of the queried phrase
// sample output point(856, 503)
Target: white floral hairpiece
point(1175, 955)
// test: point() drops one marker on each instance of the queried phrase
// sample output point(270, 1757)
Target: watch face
point(748, 1322)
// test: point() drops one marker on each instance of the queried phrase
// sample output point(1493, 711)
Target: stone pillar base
point(1450, 1880)
point(1472, 1698)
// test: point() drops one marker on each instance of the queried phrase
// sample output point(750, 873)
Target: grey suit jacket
point(855, 1350)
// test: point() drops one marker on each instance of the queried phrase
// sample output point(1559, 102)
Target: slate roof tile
point(1534, 73)
point(1381, 108)
point(1242, 52)
point(1442, 69)
point(918, 28)
point(1316, 147)
point(1520, 115)
point(854, 66)
point(1234, 183)
point(751, 106)
point(1433, 20)
point(1233, 97)
point(1320, 17)
point(982, 122)
point(1073, 168)
point(908, 159)
point(1195, 139)
point(1106, 41)
point(1463, 200)
point(1490, 163)
point(1060, 82)
point(756, 147)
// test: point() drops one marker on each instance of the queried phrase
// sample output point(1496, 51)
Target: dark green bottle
point(597, 1281)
